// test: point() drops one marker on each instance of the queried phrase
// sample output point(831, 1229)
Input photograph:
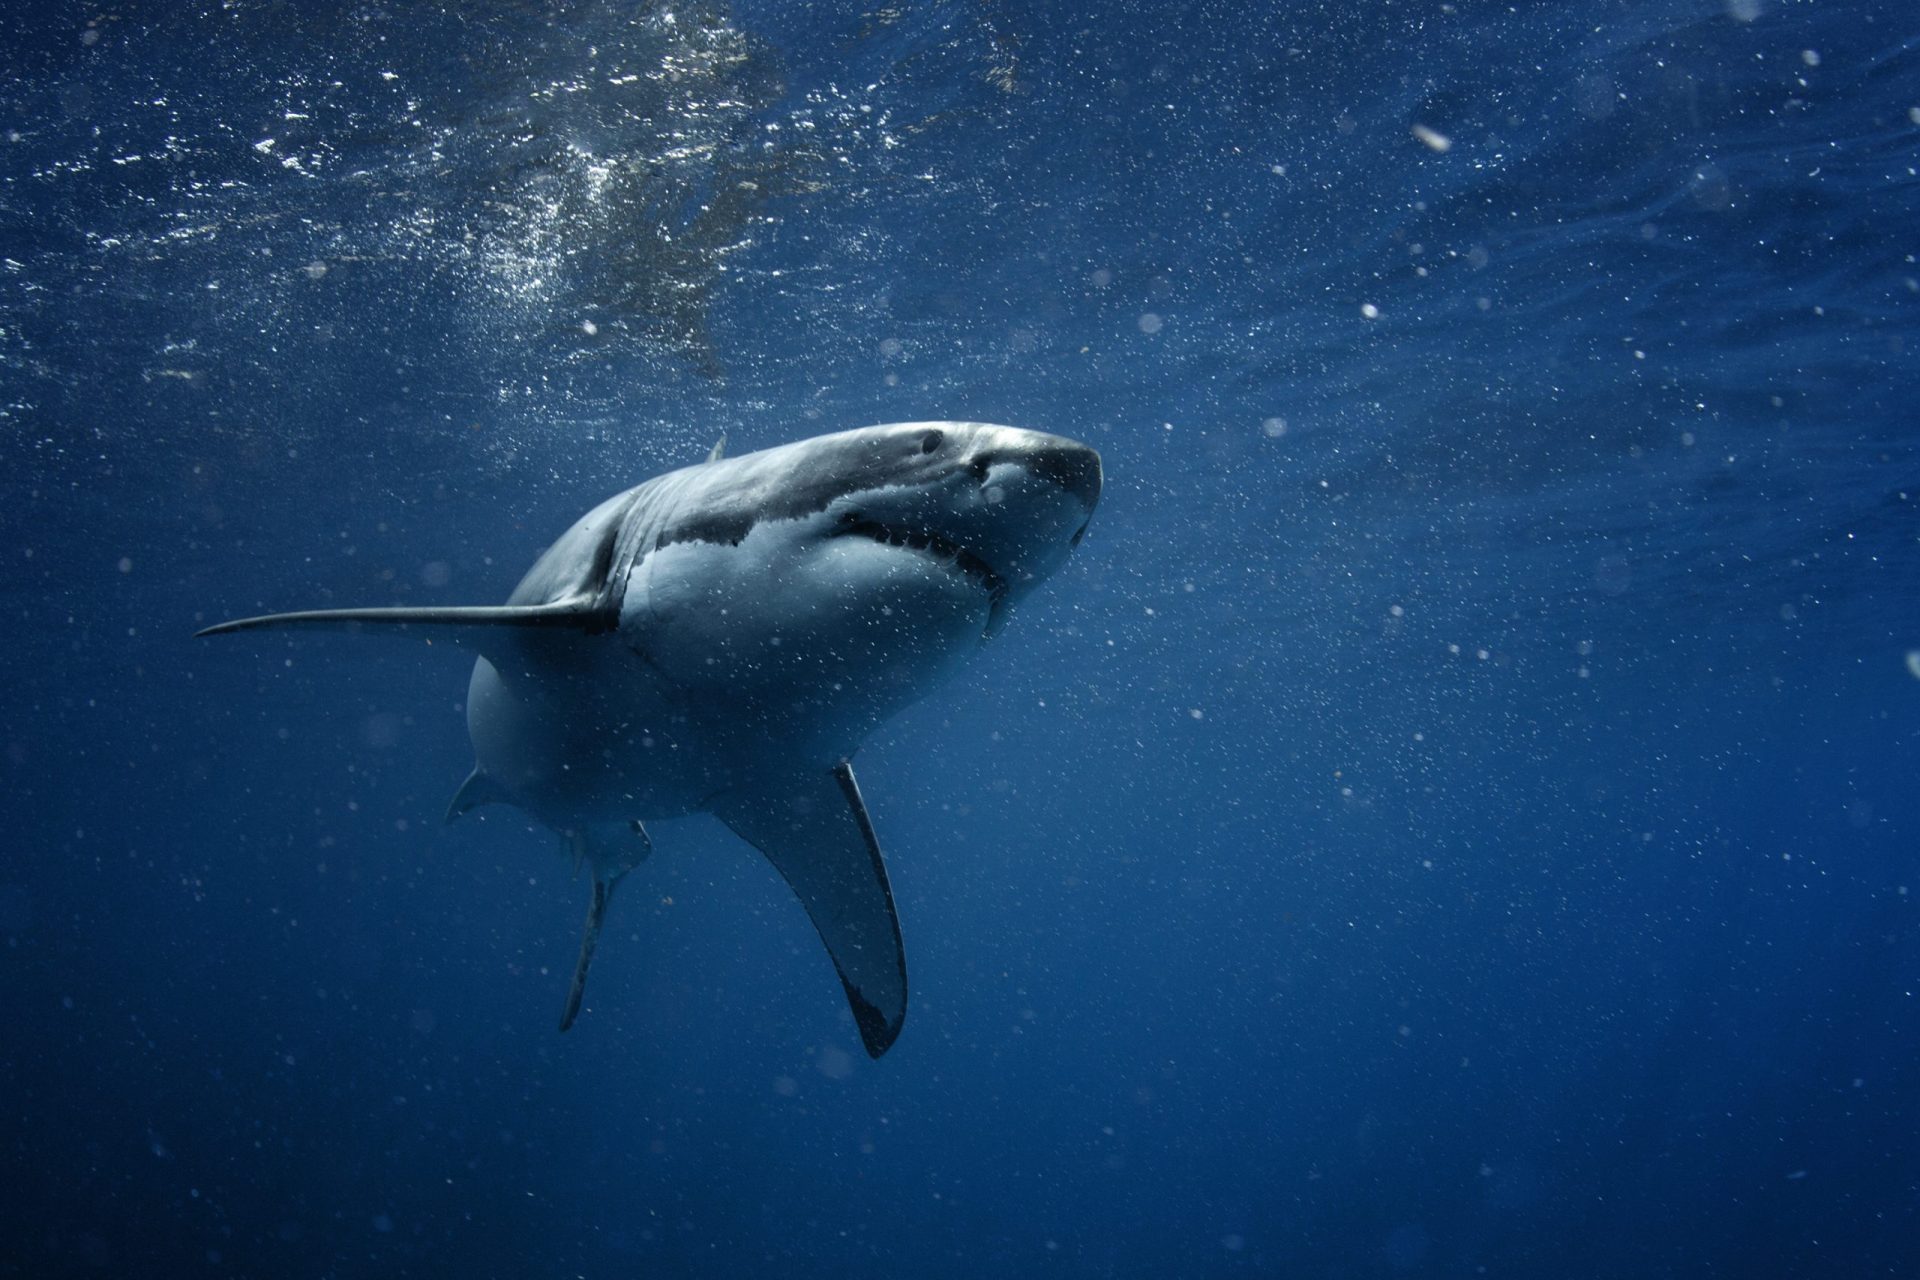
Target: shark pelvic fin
point(574, 614)
point(813, 827)
point(477, 790)
point(611, 855)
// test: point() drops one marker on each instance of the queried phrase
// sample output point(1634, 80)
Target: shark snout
point(1072, 466)
point(1060, 461)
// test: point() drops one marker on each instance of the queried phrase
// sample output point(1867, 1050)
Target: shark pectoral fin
point(814, 828)
point(612, 854)
point(477, 790)
point(574, 614)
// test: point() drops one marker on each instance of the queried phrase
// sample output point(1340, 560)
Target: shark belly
point(578, 736)
point(799, 668)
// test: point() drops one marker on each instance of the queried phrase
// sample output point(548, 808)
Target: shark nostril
point(979, 468)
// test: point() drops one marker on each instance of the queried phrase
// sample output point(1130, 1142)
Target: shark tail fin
point(589, 939)
point(611, 857)
point(477, 790)
point(576, 614)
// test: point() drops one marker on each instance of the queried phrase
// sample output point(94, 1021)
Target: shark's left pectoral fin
point(456, 621)
point(813, 827)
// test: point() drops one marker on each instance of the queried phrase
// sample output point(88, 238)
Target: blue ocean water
point(1455, 815)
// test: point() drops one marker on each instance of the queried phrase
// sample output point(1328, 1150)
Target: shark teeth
point(948, 553)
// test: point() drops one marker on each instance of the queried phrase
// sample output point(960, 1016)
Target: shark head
point(969, 509)
point(872, 561)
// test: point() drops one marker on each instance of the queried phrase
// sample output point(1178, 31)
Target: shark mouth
point(951, 554)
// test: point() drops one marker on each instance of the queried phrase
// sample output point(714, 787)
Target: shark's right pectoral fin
point(813, 827)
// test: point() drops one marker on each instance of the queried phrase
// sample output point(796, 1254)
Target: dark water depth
point(1456, 815)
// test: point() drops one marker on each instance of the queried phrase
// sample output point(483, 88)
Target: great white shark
point(722, 639)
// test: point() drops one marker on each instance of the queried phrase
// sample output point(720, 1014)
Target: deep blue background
point(1455, 815)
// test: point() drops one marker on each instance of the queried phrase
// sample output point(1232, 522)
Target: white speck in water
point(1433, 138)
point(1274, 427)
point(1810, 56)
point(1370, 311)
point(1150, 323)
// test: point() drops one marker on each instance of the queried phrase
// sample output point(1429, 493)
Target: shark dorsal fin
point(719, 449)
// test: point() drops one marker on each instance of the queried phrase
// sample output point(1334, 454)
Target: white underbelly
point(576, 743)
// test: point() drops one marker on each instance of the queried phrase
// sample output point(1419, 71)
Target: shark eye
point(931, 441)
